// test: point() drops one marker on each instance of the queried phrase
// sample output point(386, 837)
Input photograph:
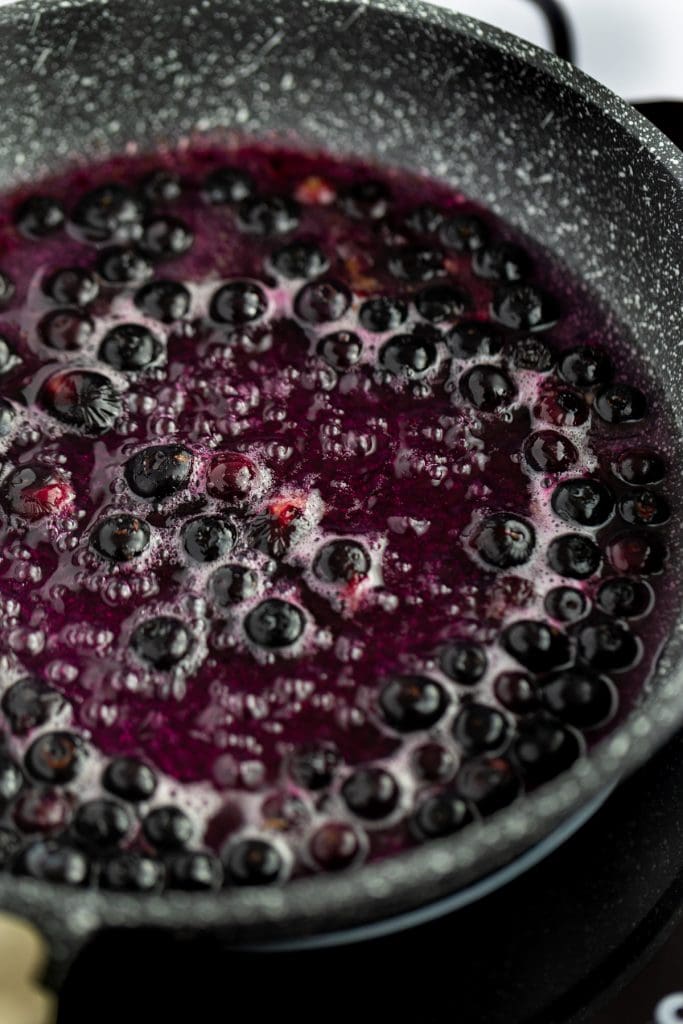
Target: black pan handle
point(560, 29)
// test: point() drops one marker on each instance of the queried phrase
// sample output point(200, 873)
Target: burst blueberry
point(33, 492)
point(82, 399)
point(532, 354)
point(634, 552)
point(504, 541)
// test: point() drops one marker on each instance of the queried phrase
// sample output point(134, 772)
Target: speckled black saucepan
point(411, 86)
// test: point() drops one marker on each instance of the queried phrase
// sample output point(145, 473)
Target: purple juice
point(333, 519)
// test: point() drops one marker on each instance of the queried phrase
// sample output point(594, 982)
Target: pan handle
point(23, 955)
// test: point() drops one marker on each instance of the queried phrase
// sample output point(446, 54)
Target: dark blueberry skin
point(517, 692)
point(566, 604)
point(625, 597)
point(440, 302)
point(39, 216)
point(300, 260)
point(531, 354)
point(620, 403)
point(523, 307)
point(464, 233)
point(275, 623)
point(124, 265)
point(130, 779)
point(194, 872)
point(562, 408)
point(239, 302)
point(159, 471)
point(585, 366)
point(341, 349)
point(574, 556)
point(479, 729)
point(488, 782)
point(544, 747)
point(322, 302)
point(82, 399)
point(382, 313)
point(209, 537)
point(253, 862)
point(121, 538)
point(371, 793)
point(65, 330)
point(129, 347)
point(546, 451)
point(35, 491)
point(469, 340)
point(502, 262)
point(487, 388)
point(165, 301)
point(583, 502)
point(408, 355)
point(161, 186)
point(29, 703)
point(463, 662)
point(643, 553)
point(433, 763)
point(232, 584)
point(167, 828)
point(314, 765)
point(608, 646)
point(42, 810)
point(7, 289)
point(11, 779)
point(644, 508)
point(7, 356)
point(334, 846)
point(55, 757)
point(341, 561)
point(580, 698)
point(227, 185)
point(7, 417)
point(268, 216)
point(162, 642)
point(72, 286)
point(109, 213)
point(53, 861)
point(10, 844)
point(503, 541)
point(410, 703)
point(132, 872)
point(537, 646)
point(425, 219)
point(366, 200)
point(164, 238)
point(639, 467)
point(416, 263)
point(102, 824)
point(440, 815)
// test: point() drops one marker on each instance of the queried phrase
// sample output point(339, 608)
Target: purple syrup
point(329, 524)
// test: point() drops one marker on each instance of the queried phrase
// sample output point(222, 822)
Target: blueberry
point(232, 584)
point(441, 302)
point(162, 642)
point(109, 213)
point(322, 302)
point(7, 289)
point(566, 604)
point(464, 233)
point(583, 501)
point(637, 553)
point(416, 263)
point(531, 354)
point(270, 215)
point(102, 824)
point(341, 561)
point(314, 765)
point(516, 691)
point(546, 451)
point(42, 810)
point(341, 349)
point(132, 872)
point(129, 347)
point(425, 219)
point(487, 388)
point(523, 307)
point(537, 646)
point(11, 780)
point(275, 623)
point(440, 815)
point(504, 541)
point(608, 646)
point(545, 747)
point(625, 597)
point(408, 355)
point(10, 844)
point(580, 698)
point(130, 779)
point(562, 408)
point(468, 340)
point(124, 265)
point(273, 533)
point(586, 366)
point(300, 259)
point(56, 757)
point(53, 861)
point(65, 330)
point(167, 828)
point(639, 467)
point(574, 555)
point(371, 793)
point(163, 300)
point(39, 216)
point(411, 703)
point(366, 200)
point(161, 186)
point(231, 476)
point(644, 508)
point(29, 703)
point(227, 185)
point(164, 238)
point(487, 782)
point(433, 762)
point(209, 537)
point(253, 862)
point(334, 846)
point(72, 286)
point(501, 261)
point(479, 729)
point(239, 302)
point(7, 417)
point(620, 403)
point(159, 471)
point(195, 871)
point(36, 491)
point(382, 313)
point(121, 538)
point(464, 662)
point(8, 358)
